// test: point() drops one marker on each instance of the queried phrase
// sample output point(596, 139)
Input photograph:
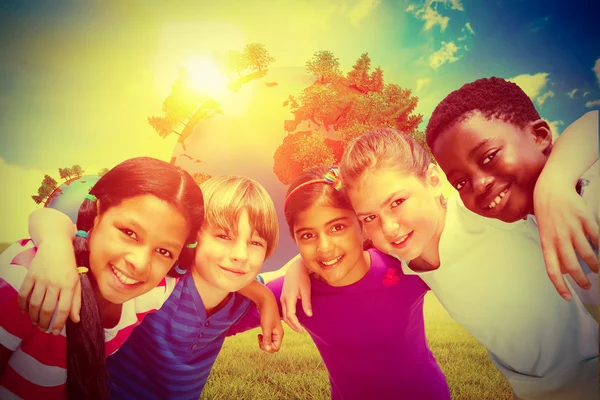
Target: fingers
point(586, 252)
point(277, 338)
point(48, 307)
point(62, 311)
point(554, 272)
point(24, 292)
point(35, 303)
point(76, 303)
point(590, 227)
point(305, 297)
point(570, 263)
point(292, 319)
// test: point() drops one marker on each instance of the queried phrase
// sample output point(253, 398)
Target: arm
point(52, 277)
point(564, 222)
point(296, 286)
point(270, 319)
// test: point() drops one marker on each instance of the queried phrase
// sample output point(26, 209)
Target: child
point(488, 274)
point(172, 352)
point(132, 228)
point(492, 144)
point(367, 354)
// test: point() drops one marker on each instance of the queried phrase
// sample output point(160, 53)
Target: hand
point(270, 323)
point(296, 285)
point(52, 278)
point(565, 223)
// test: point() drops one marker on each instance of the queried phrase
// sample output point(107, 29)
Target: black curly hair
point(492, 97)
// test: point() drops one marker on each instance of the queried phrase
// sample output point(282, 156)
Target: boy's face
point(493, 164)
point(229, 261)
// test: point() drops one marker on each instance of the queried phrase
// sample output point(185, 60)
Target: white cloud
point(532, 85)
point(469, 28)
point(456, 5)
point(554, 127)
point(596, 69)
point(421, 83)
point(445, 55)
point(542, 98)
point(593, 103)
point(585, 93)
point(571, 94)
point(361, 9)
point(428, 12)
point(468, 32)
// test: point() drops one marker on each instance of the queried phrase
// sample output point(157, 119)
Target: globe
point(69, 196)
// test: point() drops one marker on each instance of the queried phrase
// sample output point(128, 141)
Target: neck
point(430, 257)
point(110, 313)
point(355, 274)
point(213, 298)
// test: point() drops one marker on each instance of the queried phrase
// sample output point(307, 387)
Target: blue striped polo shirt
point(170, 354)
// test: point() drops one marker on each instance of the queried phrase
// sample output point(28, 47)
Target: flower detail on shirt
point(390, 278)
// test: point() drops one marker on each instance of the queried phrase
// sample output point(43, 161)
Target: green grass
point(242, 371)
point(3, 246)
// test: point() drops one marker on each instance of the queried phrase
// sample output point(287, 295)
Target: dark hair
point(492, 97)
point(86, 370)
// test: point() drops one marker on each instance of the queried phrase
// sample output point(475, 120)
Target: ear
point(434, 179)
point(542, 134)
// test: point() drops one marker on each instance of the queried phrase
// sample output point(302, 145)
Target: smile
point(233, 271)
point(330, 262)
point(402, 239)
point(122, 278)
point(498, 199)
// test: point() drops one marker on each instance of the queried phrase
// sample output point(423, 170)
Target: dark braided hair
point(494, 98)
point(86, 369)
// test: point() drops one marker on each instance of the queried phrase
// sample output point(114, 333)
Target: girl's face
point(399, 211)
point(229, 261)
point(330, 244)
point(133, 245)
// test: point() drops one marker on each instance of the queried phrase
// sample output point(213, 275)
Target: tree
point(103, 172)
point(37, 199)
point(63, 172)
point(44, 191)
point(324, 66)
point(77, 170)
point(256, 57)
point(183, 109)
point(200, 177)
point(340, 111)
point(49, 181)
point(232, 62)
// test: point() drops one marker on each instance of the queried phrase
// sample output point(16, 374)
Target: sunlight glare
point(205, 76)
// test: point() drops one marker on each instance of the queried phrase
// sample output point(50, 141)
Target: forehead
point(156, 217)
point(375, 188)
point(240, 226)
point(320, 215)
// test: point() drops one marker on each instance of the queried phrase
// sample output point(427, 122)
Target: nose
point(483, 183)
point(239, 251)
point(139, 259)
point(324, 245)
point(390, 227)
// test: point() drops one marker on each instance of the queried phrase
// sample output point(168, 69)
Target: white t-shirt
point(492, 280)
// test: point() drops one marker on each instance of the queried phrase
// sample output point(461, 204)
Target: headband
point(332, 177)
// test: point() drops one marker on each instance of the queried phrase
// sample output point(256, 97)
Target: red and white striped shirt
point(37, 367)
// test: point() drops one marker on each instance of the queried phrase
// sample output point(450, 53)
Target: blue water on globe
point(73, 194)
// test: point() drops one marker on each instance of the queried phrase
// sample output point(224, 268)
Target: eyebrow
point(139, 228)
point(326, 223)
point(383, 204)
point(479, 146)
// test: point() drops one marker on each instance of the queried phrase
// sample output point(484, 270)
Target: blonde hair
point(226, 196)
point(379, 148)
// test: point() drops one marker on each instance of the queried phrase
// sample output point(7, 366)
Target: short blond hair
point(384, 147)
point(226, 196)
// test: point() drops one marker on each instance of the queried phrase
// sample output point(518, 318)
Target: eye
point(369, 218)
point(222, 236)
point(487, 159)
point(306, 236)
point(338, 227)
point(256, 243)
point(164, 252)
point(460, 184)
point(397, 202)
point(129, 233)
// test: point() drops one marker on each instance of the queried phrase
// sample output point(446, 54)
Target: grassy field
point(242, 371)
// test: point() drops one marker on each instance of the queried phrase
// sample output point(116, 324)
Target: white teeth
point(331, 262)
point(498, 199)
point(401, 240)
point(125, 280)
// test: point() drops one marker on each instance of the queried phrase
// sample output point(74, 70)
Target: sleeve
point(14, 325)
point(251, 318)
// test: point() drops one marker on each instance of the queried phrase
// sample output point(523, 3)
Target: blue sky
point(79, 79)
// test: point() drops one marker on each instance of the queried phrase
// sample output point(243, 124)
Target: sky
point(79, 79)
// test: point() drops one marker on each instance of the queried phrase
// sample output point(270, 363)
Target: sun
point(205, 76)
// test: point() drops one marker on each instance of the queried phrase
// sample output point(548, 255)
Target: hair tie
point(179, 270)
point(192, 245)
point(332, 177)
point(91, 197)
point(82, 234)
point(82, 270)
